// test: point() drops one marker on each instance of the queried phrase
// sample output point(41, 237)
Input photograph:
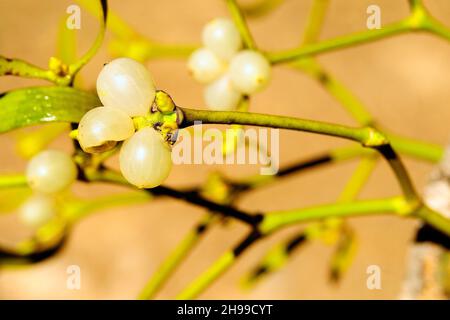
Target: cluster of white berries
point(228, 71)
point(48, 173)
point(126, 90)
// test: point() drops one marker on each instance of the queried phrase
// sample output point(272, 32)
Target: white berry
point(145, 159)
point(221, 95)
point(127, 85)
point(205, 66)
point(437, 196)
point(37, 210)
point(51, 171)
point(100, 129)
point(222, 37)
point(249, 71)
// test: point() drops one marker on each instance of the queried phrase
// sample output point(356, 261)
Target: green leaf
point(24, 107)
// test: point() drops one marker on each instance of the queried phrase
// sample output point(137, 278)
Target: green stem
point(208, 277)
point(279, 254)
point(115, 24)
point(358, 179)
point(437, 28)
point(316, 18)
point(61, 77)
point(143, 49)
point(278, 219)
point(75, 67)
point(13, 180)
point(401, 173)
point(336, 89)
point(107, 175)
point(366, 136)
point(80, 208)
point(415, 148)
point(412, 147)
point(218, 268)
point(241, 24)
point(435, 219)
point(339, 43)
point(177, 256)
point(260, 8)
point(20, 68)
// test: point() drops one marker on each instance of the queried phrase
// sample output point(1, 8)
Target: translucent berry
point(221, 95)
point(51, 171)
point(37, 210)
point(205, 66)
point(145, 159)
point(249, 71)
point(101, 128)
point(222, 37)
point(127, 85)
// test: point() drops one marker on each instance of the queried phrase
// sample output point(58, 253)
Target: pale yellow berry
point(222, 37)
point(101, 128)
point(37, 210)
point(205, 66)
point(437, 196)
point(51, 171)
point(127, 85)
point(145, 159)
point(249, 71)
point(221, 95)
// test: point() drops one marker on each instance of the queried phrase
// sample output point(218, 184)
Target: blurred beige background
point(404, 81)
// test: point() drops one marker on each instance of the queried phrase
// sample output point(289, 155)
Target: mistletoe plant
point(141, 123)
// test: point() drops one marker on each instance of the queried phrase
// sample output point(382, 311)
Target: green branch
point(127, 42)
point(177, 256)
point(144, 49)
point(419, 20)
point(366, 136)
point(20, 68)
point(13, 180)
point(437, 28)
point(261, 7)
point(241, 24)
point(107, 175)
point(279, 254)
point(278, 219)
point(76, 209)
point(411, 147)
point(76, 66)
point(415, 148)
point(58, 73)
point(336, 89)
point(218, 268)
point(181, 251)
point(316, 18)
point(358, 179)
point(338, 43)
point(435, 219)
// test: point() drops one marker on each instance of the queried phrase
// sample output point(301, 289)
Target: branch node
point(374, 138)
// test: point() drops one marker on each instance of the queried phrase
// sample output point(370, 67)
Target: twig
point(241, 24)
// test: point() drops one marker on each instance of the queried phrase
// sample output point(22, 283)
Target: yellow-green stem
point(176, 257)
point(205, 279)
point(241, 24)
